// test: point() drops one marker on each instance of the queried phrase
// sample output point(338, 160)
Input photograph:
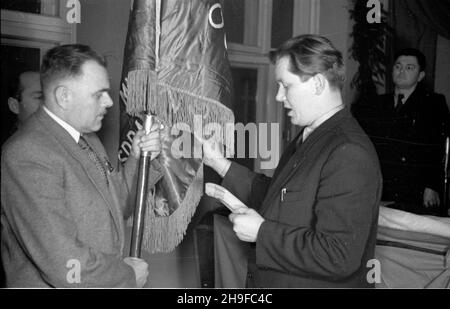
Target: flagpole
point(144, 162)
point(141, 196)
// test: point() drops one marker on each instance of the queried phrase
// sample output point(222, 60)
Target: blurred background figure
point(409, 131)
point(25, 95)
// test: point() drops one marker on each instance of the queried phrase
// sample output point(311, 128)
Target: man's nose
point(280, 97)
point(107, 101)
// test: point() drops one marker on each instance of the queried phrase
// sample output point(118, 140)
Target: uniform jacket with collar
point(320, 209)
point(410, 142)
point(62, 225)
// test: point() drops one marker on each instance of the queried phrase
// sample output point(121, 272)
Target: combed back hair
point(312, 54)
point(415, 53)
point(66, 61)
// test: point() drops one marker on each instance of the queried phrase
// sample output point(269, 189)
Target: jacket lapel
point(106, 192)
point(297, 159)
point(66, 140)
point(411, 101)
point(284, 161)
point(287, 155)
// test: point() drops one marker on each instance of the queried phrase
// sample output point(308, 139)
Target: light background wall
point(336, 25)
point(103, 26)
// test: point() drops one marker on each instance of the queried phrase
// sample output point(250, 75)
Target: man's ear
point(13, 105)
point(421, 76)
point(319, 83)
point(62, 96)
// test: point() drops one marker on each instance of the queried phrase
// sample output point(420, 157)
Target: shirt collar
point(316, 123)
point(406, 92)
point(74, 133)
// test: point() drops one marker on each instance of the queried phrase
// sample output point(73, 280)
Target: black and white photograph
point(225, 150)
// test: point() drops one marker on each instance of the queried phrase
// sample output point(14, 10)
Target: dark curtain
point(435, 14)
point(417, 23)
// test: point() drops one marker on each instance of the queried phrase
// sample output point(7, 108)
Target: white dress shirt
point(405, 92)
point(309, 129)
point(74, 133)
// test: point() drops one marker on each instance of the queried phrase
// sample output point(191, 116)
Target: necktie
point(306, 133)
point(399, 102)
point(94, 157)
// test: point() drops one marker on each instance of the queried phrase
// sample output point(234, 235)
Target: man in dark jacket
point(409, 133)
point(314, 223)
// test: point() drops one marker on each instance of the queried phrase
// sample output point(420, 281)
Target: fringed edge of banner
point(163, 234)
point(138, 90)
point(174, 105)
point(188, 106)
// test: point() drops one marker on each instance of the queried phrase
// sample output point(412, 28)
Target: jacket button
point(249, 275)
point(403, 159)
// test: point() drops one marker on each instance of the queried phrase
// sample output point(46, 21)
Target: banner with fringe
point(176, 68)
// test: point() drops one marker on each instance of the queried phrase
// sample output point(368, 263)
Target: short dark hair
point(15, 87)
point(66, 61)
point(415, 53)
point(312, 54)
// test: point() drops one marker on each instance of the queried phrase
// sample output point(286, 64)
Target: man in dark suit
point(409, 131)
point(314, 223)
point(62, 203)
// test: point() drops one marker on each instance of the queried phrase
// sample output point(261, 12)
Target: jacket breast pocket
point(290, 196)
point(295, 209)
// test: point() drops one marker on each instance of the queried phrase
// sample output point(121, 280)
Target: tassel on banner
point(163, 234)
point(173, 106)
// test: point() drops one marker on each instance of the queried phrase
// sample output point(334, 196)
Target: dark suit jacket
point(321, 232)
point(58, 213)
point(410, 143)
